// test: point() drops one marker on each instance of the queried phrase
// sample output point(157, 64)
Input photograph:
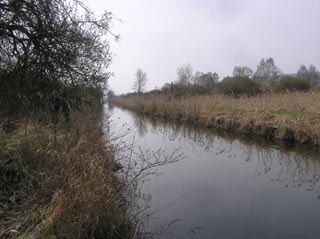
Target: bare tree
point(314, 75)
point(267, 71)
point(208, 79)
point(184, 74)
point(303, 72)
point(196, 77)
point(140, 81)
point(49, 49)
point(311, 74)
point(242, 71)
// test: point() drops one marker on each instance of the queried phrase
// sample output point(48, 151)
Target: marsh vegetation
point(285, 116)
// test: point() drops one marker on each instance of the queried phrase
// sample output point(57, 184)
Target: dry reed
point(288, 116)
point(62, 185)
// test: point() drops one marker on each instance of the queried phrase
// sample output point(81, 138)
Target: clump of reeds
point(62, 184)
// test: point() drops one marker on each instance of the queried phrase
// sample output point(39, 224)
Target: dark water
point(226, 187)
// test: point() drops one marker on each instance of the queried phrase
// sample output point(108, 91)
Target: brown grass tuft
point(61, 185)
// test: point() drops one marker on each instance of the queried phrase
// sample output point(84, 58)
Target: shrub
point(289, 83)
point(180, 90)
point(238, 86)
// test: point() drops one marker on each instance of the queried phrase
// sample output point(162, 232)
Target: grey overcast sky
point(212, 35)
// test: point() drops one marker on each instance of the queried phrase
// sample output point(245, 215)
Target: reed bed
point(62, 184)
point(287, 116)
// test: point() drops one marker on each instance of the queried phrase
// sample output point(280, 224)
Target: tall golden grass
point(287, 116)
point(62, 185)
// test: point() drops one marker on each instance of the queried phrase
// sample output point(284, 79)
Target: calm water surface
point(226, 187)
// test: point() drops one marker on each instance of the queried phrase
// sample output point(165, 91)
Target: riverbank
point(288, 116)
point(61, 183)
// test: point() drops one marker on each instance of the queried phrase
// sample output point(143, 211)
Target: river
point(224, 186)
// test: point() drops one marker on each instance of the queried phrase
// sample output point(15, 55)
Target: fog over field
point(211, 35)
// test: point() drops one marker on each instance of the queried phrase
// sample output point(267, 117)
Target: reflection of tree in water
point(292, 165)
point(291, 168)
point(197, 139)
point(140, 123)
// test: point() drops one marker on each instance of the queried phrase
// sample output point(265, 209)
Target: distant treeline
point(267, 78)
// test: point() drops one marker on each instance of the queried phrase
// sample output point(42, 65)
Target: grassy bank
point(62, 184)
point(287, 116)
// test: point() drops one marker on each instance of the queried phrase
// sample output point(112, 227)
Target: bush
point(180, 90)
point(289, 83)
point(238, 86)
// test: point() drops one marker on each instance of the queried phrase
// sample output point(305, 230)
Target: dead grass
point(287, 116)
point(62, 185)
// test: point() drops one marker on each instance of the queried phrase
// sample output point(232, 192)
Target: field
point(287, 116)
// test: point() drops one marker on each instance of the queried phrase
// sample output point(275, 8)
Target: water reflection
point(227, 187)
point(294, 165)
point(141, 125)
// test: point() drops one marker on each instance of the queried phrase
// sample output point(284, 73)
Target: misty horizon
point(213, 36)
